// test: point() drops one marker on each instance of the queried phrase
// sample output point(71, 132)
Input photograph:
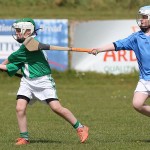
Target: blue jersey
point(140, 44)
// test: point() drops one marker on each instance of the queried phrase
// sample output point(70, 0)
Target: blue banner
point(53, 32)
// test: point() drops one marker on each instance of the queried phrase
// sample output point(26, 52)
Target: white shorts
point(41, 88)
point(143, 86)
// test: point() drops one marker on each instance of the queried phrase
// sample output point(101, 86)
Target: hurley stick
point(33, 45)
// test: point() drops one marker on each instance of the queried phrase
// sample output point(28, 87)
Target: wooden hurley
point(33, 45)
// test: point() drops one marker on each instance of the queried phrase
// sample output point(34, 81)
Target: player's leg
point(63, 112)
point(139, 99)
point(47, 92)
point(68, 116)
point(140, 96)
point(21, 106)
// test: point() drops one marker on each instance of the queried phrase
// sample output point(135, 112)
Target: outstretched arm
point(11, 72)
point(5, 62)
point(3, 67)
point(108, 47)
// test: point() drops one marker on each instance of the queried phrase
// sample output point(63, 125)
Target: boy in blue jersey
point(37, 82)
point(139, 42)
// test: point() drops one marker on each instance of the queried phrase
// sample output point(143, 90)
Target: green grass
point(72, 9)
point(62, 13)
point(103, 102)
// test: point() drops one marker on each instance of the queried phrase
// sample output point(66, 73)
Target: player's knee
point(56, 109)
point(137, 106)
point(20, 109)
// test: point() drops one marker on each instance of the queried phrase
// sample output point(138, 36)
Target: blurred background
point(98, 89)
point(76, 23)
point(71, 9)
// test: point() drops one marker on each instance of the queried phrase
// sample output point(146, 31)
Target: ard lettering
point(119, 56)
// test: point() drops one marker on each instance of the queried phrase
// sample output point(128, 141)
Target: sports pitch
point(103, 102)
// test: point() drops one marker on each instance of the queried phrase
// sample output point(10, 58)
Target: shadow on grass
point(45, 141)
point(127, 141)
point(142, 141)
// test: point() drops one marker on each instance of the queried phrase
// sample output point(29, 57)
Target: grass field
point(72, 9)
point(103, 102)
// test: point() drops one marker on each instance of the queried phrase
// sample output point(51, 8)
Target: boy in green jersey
point(36, 83)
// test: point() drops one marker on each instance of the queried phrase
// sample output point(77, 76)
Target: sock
point(24, 135)
point(77, 125)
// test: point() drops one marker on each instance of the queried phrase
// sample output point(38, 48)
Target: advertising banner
point(93, 34)
point(54, 32)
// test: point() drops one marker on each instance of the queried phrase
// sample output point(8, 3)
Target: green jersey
point(32, 64)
